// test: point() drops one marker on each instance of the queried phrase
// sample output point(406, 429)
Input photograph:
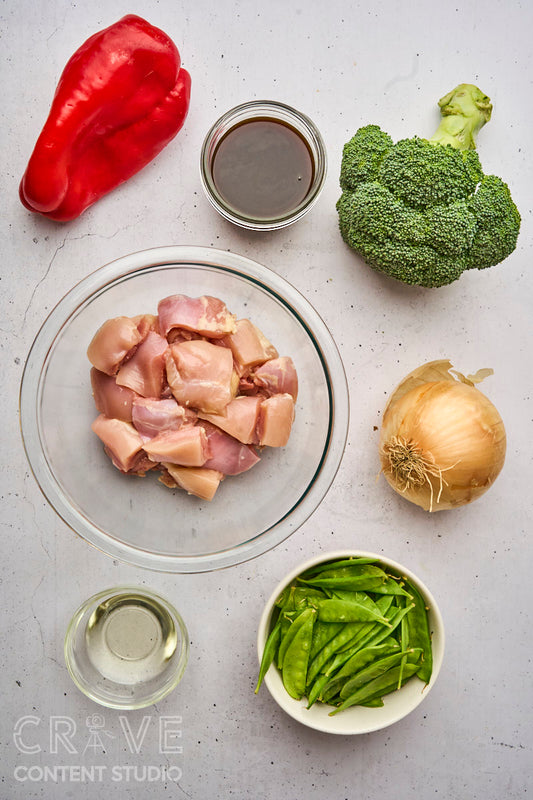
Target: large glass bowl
point(138, 520)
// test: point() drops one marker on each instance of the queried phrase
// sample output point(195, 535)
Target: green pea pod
point(404, 640)
point(287, 610)
point(336, 610)
point(376, 702)
point(345, 654)
point(288, 634)
point(306, 595)
point(371, 672)
point(357, 597)
point(379, 687)
point(331, 565)
point(298, 593)
point(331, 690)
point(369, 635)
point(316, 690)
point(367, 655)
point(288, 600)
point(391, 586)
point(269, 652)
point(363, 577)
point(284, 596)
point(346, 633)
point(384, 603)
point(296, 660)
point(420, 634)
point(365, 632)
point(323, 632)
point(381, 633)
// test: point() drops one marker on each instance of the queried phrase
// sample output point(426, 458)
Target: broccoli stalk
point(421, 210)
point(464, 112)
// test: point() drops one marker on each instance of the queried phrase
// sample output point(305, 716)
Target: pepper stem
point(464, 112)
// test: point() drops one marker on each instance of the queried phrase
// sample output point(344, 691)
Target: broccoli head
point(421, 210)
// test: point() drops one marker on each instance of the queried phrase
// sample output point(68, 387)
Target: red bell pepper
point(120, 99)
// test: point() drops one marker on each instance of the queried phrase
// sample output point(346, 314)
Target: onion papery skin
point(454, 427)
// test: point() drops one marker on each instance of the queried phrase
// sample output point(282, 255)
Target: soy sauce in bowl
point(263, 168)
point(263, 165)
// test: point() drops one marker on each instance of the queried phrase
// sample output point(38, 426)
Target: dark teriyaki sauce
point(263, 168)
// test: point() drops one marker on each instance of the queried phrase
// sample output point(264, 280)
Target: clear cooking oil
point(131, 638)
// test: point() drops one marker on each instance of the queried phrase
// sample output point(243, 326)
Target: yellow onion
point(442, 442)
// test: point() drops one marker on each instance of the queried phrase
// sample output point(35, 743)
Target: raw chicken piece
point(247, 386)
point(151, 417)
point(112, 343)
point(206, 315)
point(144, 371)
point(146, 323)
point(110, 399)
point(228, 455)
point(200, 375)
point(277, 376)
point(187, 447)
point(190, 393)
point(177, 335)
point(122, 444)
point(240, 418)
point(198, 481)
point(249, 345)
point(275, 420)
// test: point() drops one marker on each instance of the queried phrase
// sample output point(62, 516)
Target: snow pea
point(391, 586)
point(361, 638)
point(420, 634)
point(380, 686)
point(269, 653)
point(372, 671)
point(316, 690)
point(300, 595)
point(404, 639)
point(288, 635)
point(376, 702)
point(371, 635)
point(323, 632)
point(330, 565)
point(360, 577)
point(394, 618)
point(357, 597)
point(337, 610)
point(344, 635)
point(367, 655)
point(296, 659)
point(286, 609)
point(359, 660)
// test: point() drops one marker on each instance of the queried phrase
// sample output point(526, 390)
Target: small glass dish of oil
point(263, 165)
point(126, 648)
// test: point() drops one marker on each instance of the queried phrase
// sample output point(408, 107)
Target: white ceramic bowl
point(356, 719)
point(140, 521)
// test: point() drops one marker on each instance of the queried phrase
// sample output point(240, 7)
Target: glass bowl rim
point(333, 725)
point(186, 256)
point(305, 126)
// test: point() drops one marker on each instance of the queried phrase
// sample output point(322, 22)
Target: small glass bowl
point(279, 112)
point(126, 648)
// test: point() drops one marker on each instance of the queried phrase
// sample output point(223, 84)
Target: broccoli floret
point(421, 210)
point(363, 154)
